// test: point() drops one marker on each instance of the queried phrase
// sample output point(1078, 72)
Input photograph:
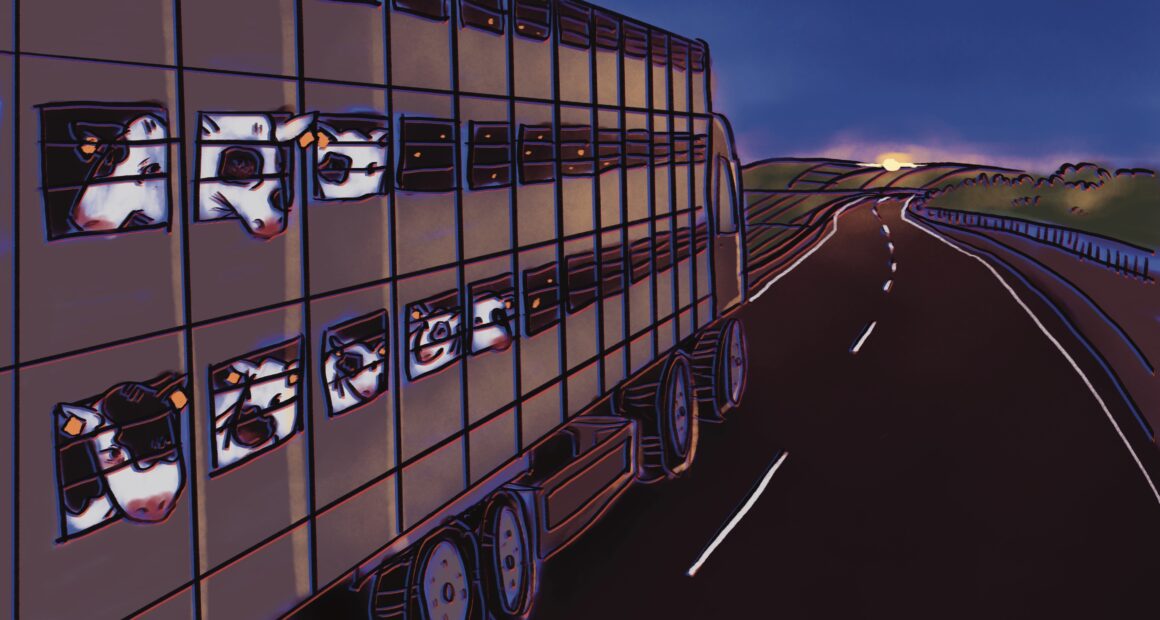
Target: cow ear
point(290, 129)
point(74, 420)
point(325, 138)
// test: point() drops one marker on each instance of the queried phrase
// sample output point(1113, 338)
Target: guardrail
point(1125, 258)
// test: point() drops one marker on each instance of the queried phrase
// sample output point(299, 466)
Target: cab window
point(726, 198)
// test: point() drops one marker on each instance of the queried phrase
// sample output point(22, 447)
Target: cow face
point(129, 183)
point(433, 335)
point(351, 159)
point(245, 169)
point(354, 364)
point(106, 168)
point(255, 405)
point(121, 456)
point(493, 311)
point(354, 373)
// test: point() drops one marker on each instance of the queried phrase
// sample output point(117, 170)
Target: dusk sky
point(1026, 83)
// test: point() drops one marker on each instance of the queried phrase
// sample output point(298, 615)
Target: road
point(955, 466)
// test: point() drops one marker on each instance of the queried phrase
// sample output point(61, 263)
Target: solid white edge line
point(1091, 388)
point(886, 287)
point(861, 341)
point(807, 254)
point(737, 517)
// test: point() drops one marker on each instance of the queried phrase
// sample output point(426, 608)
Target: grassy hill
point(806, 174)
point(1124, 204)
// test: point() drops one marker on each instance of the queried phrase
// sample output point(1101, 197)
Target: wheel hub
point(445, 586)
point(511, 548)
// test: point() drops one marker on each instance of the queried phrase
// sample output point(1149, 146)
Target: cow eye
point(334, 168)
point(239, 163)
point(113, 456)
point(112, 155)
point(349, 365)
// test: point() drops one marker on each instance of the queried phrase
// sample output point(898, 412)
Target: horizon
point(1021, 85)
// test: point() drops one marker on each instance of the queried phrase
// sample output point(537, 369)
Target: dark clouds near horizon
point(1020, 82)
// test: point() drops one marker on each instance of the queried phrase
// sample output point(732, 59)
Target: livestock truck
point(392, 296)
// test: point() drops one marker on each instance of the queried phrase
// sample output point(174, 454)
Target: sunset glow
point(892, 162)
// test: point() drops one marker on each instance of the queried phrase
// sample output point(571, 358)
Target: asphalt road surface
point(956, 466)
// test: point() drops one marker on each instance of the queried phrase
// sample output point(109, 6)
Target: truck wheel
point(443, 584)
point(388, 597)
point(667, 417)
point(721, 368)
point(508, 556)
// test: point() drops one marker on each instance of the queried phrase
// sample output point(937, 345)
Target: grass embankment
point(1123, 205)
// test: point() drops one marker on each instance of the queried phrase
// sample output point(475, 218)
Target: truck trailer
point(395, 296)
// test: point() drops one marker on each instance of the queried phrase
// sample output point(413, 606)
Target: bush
point(1124, 205)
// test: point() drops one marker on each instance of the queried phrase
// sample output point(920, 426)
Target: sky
point(1024, 83)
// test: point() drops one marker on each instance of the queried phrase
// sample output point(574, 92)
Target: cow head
point(434, 337)
point(351, 163)
point(127, 184)
point(243, 173)
point(491, 328)
point(121, 456)
point(354, 372)
point(255, 408)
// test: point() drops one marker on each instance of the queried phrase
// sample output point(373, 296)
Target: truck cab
point(723, 194)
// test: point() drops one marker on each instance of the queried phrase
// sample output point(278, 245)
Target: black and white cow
point(243, 172)
point(354, 372)
point(434, 334)
point(491, 328)
point(351, 157)
point(255, 403)
point(120, 454)
point(354, 361)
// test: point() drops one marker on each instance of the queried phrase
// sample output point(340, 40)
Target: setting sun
point(892, 161)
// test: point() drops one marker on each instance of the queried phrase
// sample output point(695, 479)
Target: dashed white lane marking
point(737, 517)
point(882, 200)
point(866, 331)
point(807, 254)
point(890, 246)
point(889, 285)
point(893, 266)
point(886, 230)
point(1039, 324)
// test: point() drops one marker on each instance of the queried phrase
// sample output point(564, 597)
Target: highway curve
point(955, 466)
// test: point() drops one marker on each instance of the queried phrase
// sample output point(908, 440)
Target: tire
point(389, 596)
point(667, 416)
point(721, 368)
point(442, 581)
point(508, 557)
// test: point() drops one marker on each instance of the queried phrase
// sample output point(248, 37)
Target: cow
point(491, 328)
point(242, 172)
point(351, 159)
point(434, 337)
point(120, 456)
point(354, 372)
point(127, 184)
point(255, 408)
